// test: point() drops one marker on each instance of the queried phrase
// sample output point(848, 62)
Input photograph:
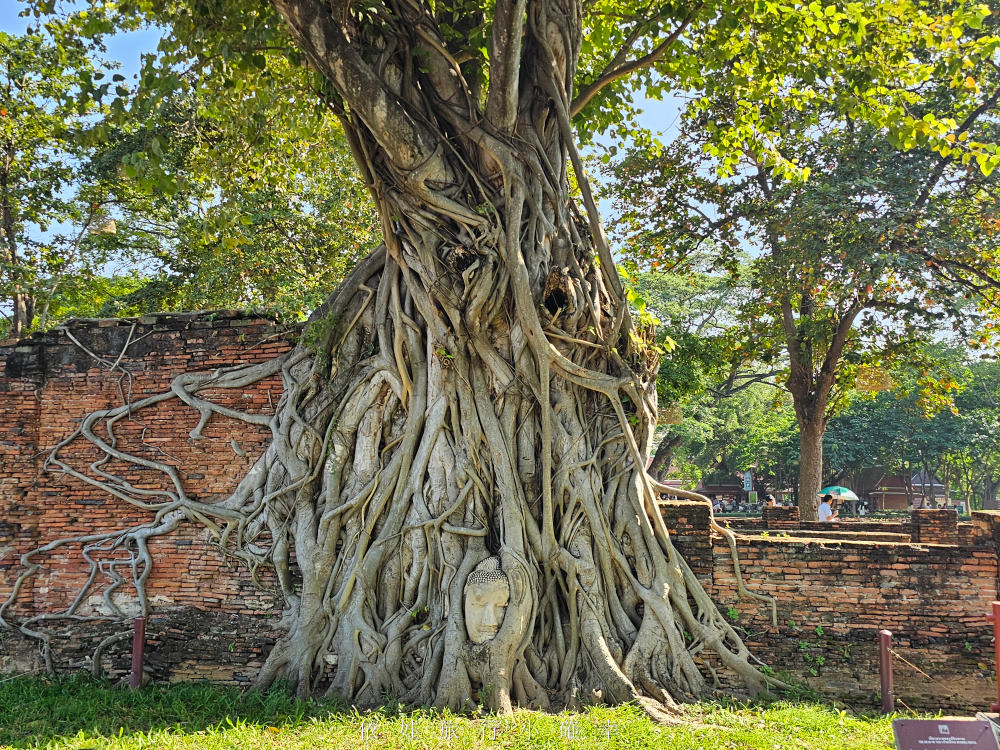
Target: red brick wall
point(200, 599)
point(934, 525)
point(210, 620)
point(780, 516)
point(834, 595)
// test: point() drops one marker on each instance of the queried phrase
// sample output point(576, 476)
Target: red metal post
point(995, 619)
point(885, 671)
point(138, 651)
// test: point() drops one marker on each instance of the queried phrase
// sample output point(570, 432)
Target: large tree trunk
point(810, 467)
point(488, 396)
point(427, 448)
point(812, 375)
point(473, 407)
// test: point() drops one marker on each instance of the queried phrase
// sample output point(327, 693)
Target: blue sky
point(125, 49)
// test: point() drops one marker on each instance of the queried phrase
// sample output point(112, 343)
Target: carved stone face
point(487, 594)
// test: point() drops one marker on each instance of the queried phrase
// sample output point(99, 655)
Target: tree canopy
point(47, 92)
point(860, 264)
point(119, 203)
point(223, 217)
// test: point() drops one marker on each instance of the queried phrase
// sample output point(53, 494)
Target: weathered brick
point(850, 584)
point(835, 584)
point(47, 384)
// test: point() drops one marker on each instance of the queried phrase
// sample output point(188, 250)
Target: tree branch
point(827, 372)
point(749, 379)
point(616, 72)
point(664, 455)
point(408, 144)
point(944, 161)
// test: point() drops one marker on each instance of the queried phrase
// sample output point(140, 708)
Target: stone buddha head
point(487, 593)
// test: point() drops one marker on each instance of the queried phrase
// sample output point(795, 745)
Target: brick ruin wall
point(835, 588)
point(210, 619)
point(929, 580)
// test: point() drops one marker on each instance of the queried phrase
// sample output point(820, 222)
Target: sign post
point(138, 651)
point(885, 671)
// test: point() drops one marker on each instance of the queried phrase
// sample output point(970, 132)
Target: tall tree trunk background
point(22, 314)
point(991, 485)
point(810, 467)
point(812, 374)
point(664, 455)
point(906, 473)
point(22, 304)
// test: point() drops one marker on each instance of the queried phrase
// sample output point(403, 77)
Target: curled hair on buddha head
point(488, 571)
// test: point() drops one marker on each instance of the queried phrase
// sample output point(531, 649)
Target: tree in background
point(751, 429)
point(892, 432)
point(972, 461)
point(48, 90)
point(709, 360)
point(858, 265)
point(944, 429)
point(219, 212)
point(176, 201)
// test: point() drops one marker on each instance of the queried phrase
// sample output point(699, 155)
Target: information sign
point(944, 734)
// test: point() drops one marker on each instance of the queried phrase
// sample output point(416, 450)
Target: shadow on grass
point(34, 711)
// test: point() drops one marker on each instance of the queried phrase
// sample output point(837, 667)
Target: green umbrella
point(841, 493)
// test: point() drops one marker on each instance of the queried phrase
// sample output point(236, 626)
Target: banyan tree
point(454, 498)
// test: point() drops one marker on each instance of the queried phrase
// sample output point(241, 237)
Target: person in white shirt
point(825, 511)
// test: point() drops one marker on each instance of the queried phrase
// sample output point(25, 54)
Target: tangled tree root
point(475, 389)
point(399, 461)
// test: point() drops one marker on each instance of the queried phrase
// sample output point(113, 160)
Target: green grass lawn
point(77, 713)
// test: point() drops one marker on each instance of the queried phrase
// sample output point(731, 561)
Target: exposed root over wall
point(399, 461)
